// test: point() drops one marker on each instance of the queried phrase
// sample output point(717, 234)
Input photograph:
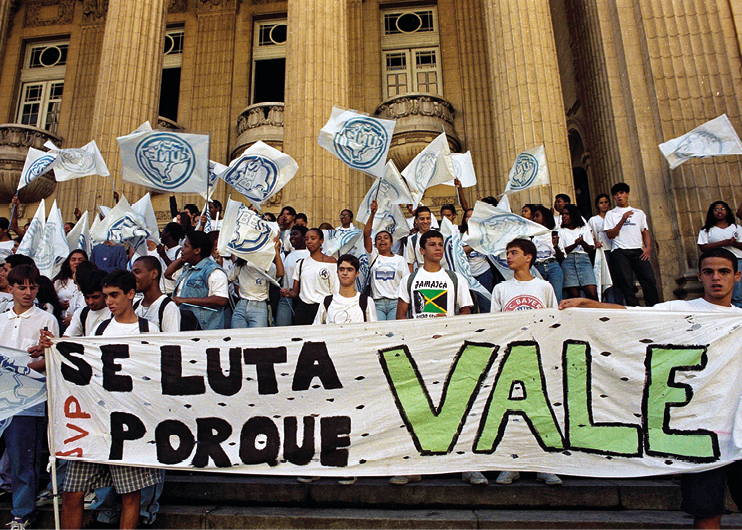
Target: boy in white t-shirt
point(627, 229)
point(86, 319)
point(523, 292)
point(348, 305)
point(148, 272)
point(423, 218)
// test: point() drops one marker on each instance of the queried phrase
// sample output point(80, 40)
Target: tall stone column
point(527, 92)
point(128, 87)
point(7, 7)
point(316, 79)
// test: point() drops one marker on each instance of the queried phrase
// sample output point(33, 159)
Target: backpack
point(362, 303)
point(454, 280)
point(83, 317)
point(143, 325)
point(188, 320)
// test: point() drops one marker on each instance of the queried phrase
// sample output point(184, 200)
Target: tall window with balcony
point(410, 52)
point(42, 84)
point(269, 61)
point(171, 65)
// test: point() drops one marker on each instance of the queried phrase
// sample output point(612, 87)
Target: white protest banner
point(79, 236)
point(166, 160)
point(37, 163)
point(78, 162)
point(20, 386)
point(529, 170)
point(260, 172)
point(32, 238)
point(361, 141)
point(586, 392)
point(339, 242)
point(456, 257)
point(246, 235)
point(53, 249)
point(121, 226)
point(714, 138)
point(463, 168)
point(432, 166)
point(146, 217)
point(491, 229)
point(389, 190)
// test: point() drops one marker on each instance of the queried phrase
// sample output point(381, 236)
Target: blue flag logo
point(165, 159)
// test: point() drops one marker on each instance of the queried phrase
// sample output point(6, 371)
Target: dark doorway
point(170, 93)
point(270, 80)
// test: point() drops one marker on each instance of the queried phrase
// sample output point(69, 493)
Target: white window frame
point(173, 59)
point(259, 53)
point(45, 78)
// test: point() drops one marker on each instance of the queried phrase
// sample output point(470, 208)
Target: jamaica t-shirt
point(432, 294)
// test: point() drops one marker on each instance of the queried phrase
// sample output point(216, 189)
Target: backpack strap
point(163, 305)
point(83, 317)
point(143, 325)
point(410, 279)
point(327, 301)
point(102, 327)
point(455, 280)
point(137, 304)
point(363, 302)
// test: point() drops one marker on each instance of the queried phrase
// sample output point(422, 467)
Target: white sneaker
point(18, 524)
point(507, 477)
point(549, 479)
point(306, 480)
point(475, 478)
point(400, 480)
point(89, 499)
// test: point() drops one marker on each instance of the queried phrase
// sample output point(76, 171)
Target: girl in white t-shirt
point(720, 230)
point(577, 239)
point(252, 286)
point(64, 283)
point(314, 278)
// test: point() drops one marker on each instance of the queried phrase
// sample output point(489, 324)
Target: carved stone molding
point(166, 124)
point(262, 121)
point(416, 105)
point(177, 6)
point(216, 5)
point(94, 11)
point(25, 136)
point(49, 13)
point(14, 143)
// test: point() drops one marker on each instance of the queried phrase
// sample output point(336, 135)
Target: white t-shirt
point(515, 295)
point(345, 310)
point(386, 273)
point(289, 264)
point(413, 254)
point(318, 279)
point(166, 286)
point(699, 304)
point(596, 225)
point(433, 294)
point(478, 263)
point(170, 316)
point(67, 292)
point(630, 235)
point(568, 236)
point(544, 247)
point(252, 285)
point(76, 329)
point(117, 329)
point(6, 249)
point(716, 234)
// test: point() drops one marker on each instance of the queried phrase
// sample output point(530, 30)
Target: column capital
point(216, 5)
point(94, 11)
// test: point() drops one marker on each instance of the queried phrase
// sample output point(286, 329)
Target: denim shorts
point(578, 271)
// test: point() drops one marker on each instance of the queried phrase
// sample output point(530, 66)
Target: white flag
point(529, 170)
point(166, 160)
point(75, 163)
point(389, 190)
point(215, 169)
point(260, 172)
point(361, 141)
point(463, 168)
point(96, 231)
point(54, 248)
point(246, 235)
point(145, 214)
point(456, 257)
point(32, 238)
point(504, 204)
point(37, 163)
point(491, 229)
point(121, 226)
point(432, 166)
point(79, 236)
point(393, 222)
point(339, 242)
point(714, 138)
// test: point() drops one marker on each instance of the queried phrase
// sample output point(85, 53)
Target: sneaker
point(44, 498)
point(549, 479)
point(18, 524)
point(89, 499)
point(507, 477)
point(475, 478)
point(347, 481)
point(306, 480)
point(405, 479)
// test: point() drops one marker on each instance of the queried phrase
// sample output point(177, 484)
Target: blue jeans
point(285, 312)
point(23, 441)
point(386, 308)
point(250, 314)
point(109, 509)
point(488, 282)
point(552, 273)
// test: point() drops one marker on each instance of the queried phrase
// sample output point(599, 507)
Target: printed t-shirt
point(386, 274)
point(516, 295)
point(630, 235)
point(433, 294)
point(318, 279)
point(716, 234)
point(344, 310)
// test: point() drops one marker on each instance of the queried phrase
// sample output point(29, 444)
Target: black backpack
point(362, 302)
point(188, 321)
point(143, 325)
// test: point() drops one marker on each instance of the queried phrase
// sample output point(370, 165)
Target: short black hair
point(564, 197)
point(718, 252)
point(92, 283)
point(351, 260)
point(303, 216)
point(175, 230)
point(422, 209)
point(192, 209)
point(318, 230)
point(387, 232)
point(16, 260)
point(620, 186)
point(448, 207)
point(4, 223)
point(269, 217)
point(299, 228)
point(217, 203)
point(288, 209)
point(202, 241)
point(574, 215)
point(24, 273)
point(124, 280)
point(152, 264)
point(347, 210)
point(526, 245)
point(490, 200)
point(429, 234)
point(546, 214)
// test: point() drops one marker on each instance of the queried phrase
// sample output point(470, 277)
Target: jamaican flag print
point(432, 301)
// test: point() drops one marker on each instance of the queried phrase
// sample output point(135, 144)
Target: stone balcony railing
point(168, 124)
point(259, 122)
point(420, 118)
point(14, 143)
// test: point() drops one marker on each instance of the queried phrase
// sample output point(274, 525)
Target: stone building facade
point(600, 83)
